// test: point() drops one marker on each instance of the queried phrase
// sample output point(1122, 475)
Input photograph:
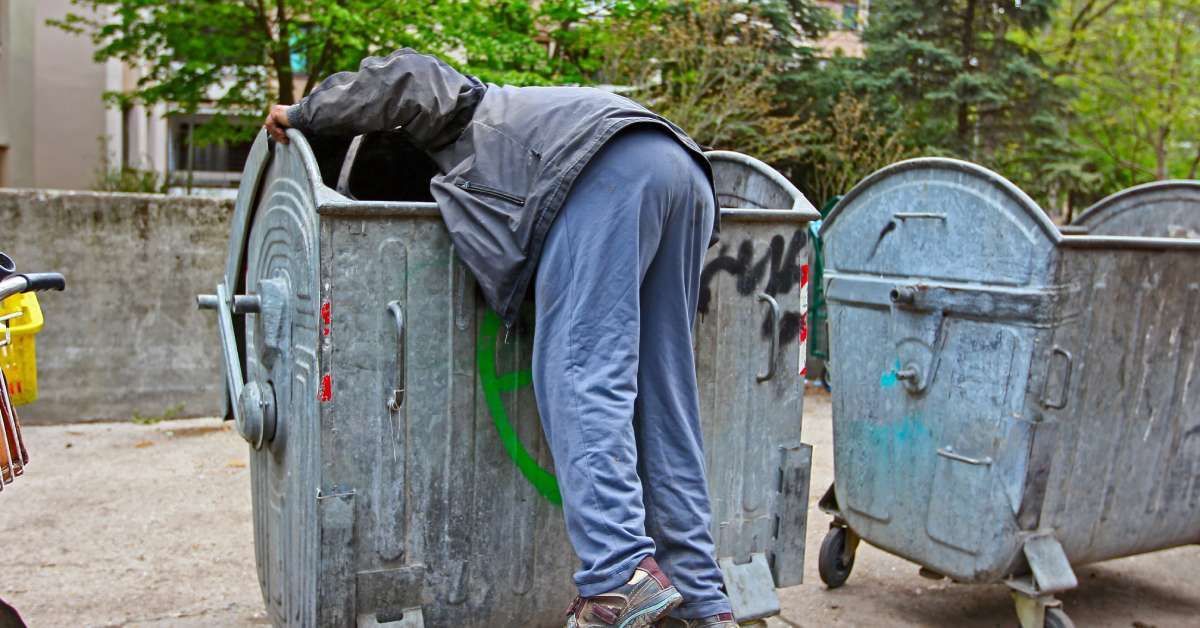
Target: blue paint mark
point(911, 430)
point(909, 434)
point(890, 379)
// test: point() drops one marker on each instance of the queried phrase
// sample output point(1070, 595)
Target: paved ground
point(136, 525)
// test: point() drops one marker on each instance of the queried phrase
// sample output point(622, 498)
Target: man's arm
point(405, 89)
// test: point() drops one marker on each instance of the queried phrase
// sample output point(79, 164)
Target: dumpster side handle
point(396, 400)
point(1060, 400)
point(762, 377)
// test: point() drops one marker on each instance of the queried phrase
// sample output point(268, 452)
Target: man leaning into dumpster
point(604, 210)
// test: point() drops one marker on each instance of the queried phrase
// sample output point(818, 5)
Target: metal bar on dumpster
point(233, 364)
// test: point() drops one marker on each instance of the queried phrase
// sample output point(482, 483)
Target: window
point(849, 19)
point(127, 137)
point(219, 163)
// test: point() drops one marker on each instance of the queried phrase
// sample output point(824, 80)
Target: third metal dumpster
point(1009, 402)
point(1169, 209)
point(399, 474)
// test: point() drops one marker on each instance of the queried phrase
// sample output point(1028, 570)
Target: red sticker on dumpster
point(326, 391)
point(326, 318)
point(803, 320)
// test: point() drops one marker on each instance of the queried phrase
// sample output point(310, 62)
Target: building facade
point(53, 123)
point(849, 21)
point(57, 131)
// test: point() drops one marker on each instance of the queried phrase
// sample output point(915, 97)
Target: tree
point(963, 77)
point(1134, 68)
point(715, 68)
point(842, 148)
point(239, 56)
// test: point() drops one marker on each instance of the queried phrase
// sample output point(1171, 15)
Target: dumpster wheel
point(837, 556)
point(1057, 618)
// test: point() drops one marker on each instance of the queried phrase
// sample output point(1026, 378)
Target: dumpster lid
point(1021, 199)
point(745, 184)
point(1150, 209)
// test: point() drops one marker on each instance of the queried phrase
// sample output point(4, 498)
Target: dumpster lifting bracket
point(1052, 571)
point(750, 587)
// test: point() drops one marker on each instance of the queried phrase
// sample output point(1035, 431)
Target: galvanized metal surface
point(1162, 209)
point(1004, 394)
point(407, 479)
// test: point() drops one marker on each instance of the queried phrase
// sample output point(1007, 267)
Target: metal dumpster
point(1164, 209)
point(1010, 401)
point(818, 321)
point(399, 473)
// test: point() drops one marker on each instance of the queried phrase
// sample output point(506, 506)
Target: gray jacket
point(507, 155)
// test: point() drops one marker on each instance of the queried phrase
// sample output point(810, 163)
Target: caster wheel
point(1056, 618)
point(835, 562)
point(826, 383)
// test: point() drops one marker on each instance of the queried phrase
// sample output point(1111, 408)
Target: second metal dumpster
point(1009, 402)
point(1165, 209)
point(399, 473)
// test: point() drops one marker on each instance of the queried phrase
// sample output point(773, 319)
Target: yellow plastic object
point(18, 357)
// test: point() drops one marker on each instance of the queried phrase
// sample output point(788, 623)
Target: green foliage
point(132, 180)
point(959, 74)
point(721, 68)
point(239, 57)
point(1072, 99)
point(170, 413)
point(846, 145)
point(128, 180)
point(1134, 70)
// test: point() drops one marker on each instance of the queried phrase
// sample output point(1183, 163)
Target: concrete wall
point(126, 338)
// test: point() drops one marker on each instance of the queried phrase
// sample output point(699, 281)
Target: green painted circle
point(485, 356)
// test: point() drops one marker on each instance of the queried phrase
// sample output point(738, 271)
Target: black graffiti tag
point(782, 274)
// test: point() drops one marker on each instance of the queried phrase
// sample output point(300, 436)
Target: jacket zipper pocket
point(493, 192)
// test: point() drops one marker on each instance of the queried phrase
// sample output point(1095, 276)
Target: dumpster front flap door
point(449, 464)
point(282, 345)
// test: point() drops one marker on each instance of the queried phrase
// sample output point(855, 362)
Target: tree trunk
point(1160, 152)
point(968, 51)
point(283, 57)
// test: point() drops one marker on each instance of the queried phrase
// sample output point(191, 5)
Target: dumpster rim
point(378, 209)
point(1127, 242)
point(748, 214)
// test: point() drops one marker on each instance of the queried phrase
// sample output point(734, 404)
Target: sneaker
point(637, 604)
point(724, 620)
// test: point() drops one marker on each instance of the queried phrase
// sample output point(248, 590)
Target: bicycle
point(13, 455)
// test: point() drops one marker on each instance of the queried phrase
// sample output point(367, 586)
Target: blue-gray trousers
point(614, 372)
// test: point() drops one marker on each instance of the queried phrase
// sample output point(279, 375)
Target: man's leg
point(585, 357)
point(668, 431)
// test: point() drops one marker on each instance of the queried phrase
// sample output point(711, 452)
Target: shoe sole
point(654, 612)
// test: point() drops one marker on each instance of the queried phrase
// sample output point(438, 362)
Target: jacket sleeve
point(417, 92)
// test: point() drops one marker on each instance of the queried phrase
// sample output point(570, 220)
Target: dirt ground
point(149, 525)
